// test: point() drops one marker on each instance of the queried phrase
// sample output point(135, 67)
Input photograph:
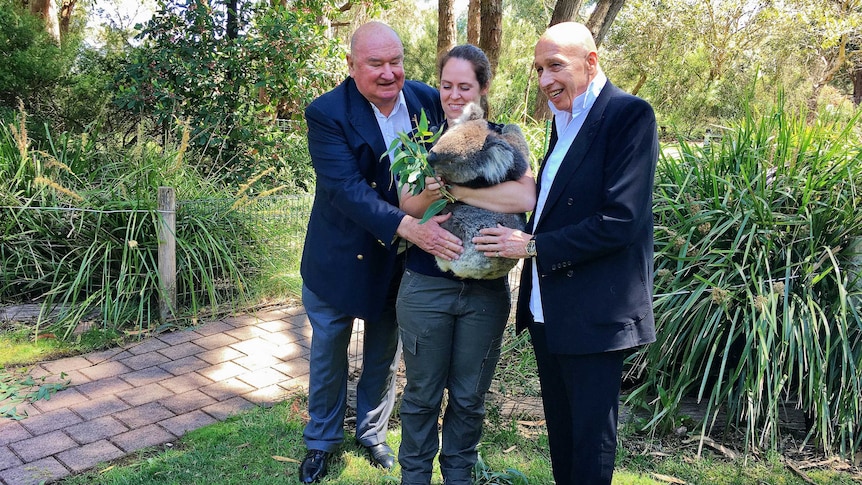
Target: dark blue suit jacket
point(595, 235)
point(349, 259)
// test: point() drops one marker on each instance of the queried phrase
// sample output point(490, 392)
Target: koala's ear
point(515, 137)
point(471, 112)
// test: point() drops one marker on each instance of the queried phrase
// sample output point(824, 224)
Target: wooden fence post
point(167, 252)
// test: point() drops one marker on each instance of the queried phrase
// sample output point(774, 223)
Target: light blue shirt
point(568, 125)
point(397, 121)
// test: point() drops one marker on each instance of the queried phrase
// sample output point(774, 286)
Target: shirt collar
point(400, 104)
point(583, 102)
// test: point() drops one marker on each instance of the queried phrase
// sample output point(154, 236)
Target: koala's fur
point(471, 154)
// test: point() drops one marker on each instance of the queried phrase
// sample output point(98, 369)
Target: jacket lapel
point(359, 113)
point(580, 148)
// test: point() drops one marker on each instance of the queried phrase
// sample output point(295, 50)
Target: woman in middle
point(452, 328)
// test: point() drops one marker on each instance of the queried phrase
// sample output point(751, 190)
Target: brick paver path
point(152, 392)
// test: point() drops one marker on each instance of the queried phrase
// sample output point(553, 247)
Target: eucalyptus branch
point(410, 167)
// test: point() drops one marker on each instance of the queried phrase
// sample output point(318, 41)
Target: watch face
point(531, 247)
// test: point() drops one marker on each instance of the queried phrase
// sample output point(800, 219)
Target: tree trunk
point(445, 26)
point(474, 21)
point(66, 16)
point(492, 30)
point(564, 11)
point(602, 17)
point(232, 22)
point(47, 11)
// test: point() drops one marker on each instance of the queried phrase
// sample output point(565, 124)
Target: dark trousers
point(580, 395)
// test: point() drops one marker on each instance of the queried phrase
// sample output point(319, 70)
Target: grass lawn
point(264, 446)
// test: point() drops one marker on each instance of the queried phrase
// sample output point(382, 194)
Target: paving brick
point(136, 439)
point(228, 389)
point(292, 351)
point(296, 385)
point(225, 409)
point(184, 365)
point(246, 333)
point(67, 364)
point(54, 420)
point(301, 321)
point(76, 378)
point(12, 431)
point(105, 370)
point(276, 325)
point(142, 395)
point(8, 459)
point(140, 378)
point(35, 473)
point(241, 320)
point(269, 315)
point(178, 337)
point(97, 429)
point(100, 406)
point(102, 387)
point(180, 425)
point(178, 351)
point(223, 371)
point(255, 346)
point(215, 341)
point(112, 355)
point(144, 360)
point(187, 401)
point(42, 446)
point(295, 310)
point(144, 414)
point(262, 377)
point(149, 345)
point(185, 382)
point(217, 356)
point(279, 338)
point(212, 328)
point(62, 399)
point(255, 362)
point(87, 456)
point(293, 368)
point(268, 395)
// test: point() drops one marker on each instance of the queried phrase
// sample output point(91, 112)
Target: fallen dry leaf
point(284, 458)
point(510, 449)
point(668, 479)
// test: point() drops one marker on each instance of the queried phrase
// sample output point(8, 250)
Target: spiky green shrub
point(757, 302)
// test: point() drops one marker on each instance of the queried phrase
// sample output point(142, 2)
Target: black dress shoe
point(313, 467)
point(382, 455)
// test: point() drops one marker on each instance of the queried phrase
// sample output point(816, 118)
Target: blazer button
point(359, 257)
point(373, 185)
point(571, 201)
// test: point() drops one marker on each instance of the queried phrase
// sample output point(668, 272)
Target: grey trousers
point(451, 333)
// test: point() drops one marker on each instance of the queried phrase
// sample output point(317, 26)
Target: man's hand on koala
point(502, 242)
point(431, 237)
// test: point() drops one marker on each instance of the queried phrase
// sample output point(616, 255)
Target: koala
point(475, 153)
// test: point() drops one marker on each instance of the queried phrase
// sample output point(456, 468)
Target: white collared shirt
point(568, 126)
point(397, 121)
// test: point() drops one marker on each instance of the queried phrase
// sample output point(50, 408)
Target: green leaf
point(433, 210)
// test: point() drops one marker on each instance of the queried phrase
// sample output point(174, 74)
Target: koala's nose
point(432, 158)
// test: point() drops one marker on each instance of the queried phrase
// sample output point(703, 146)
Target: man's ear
point(350, 65)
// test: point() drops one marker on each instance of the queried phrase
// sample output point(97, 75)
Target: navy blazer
point(595, 235)
point(349, 258)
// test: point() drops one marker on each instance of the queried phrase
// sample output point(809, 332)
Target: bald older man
point(586, 286)
point(350, 264)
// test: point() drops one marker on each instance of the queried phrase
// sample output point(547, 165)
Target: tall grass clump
point(79, 231)
point(757, 282)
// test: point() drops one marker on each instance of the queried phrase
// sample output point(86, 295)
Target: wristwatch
point(531, 247)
